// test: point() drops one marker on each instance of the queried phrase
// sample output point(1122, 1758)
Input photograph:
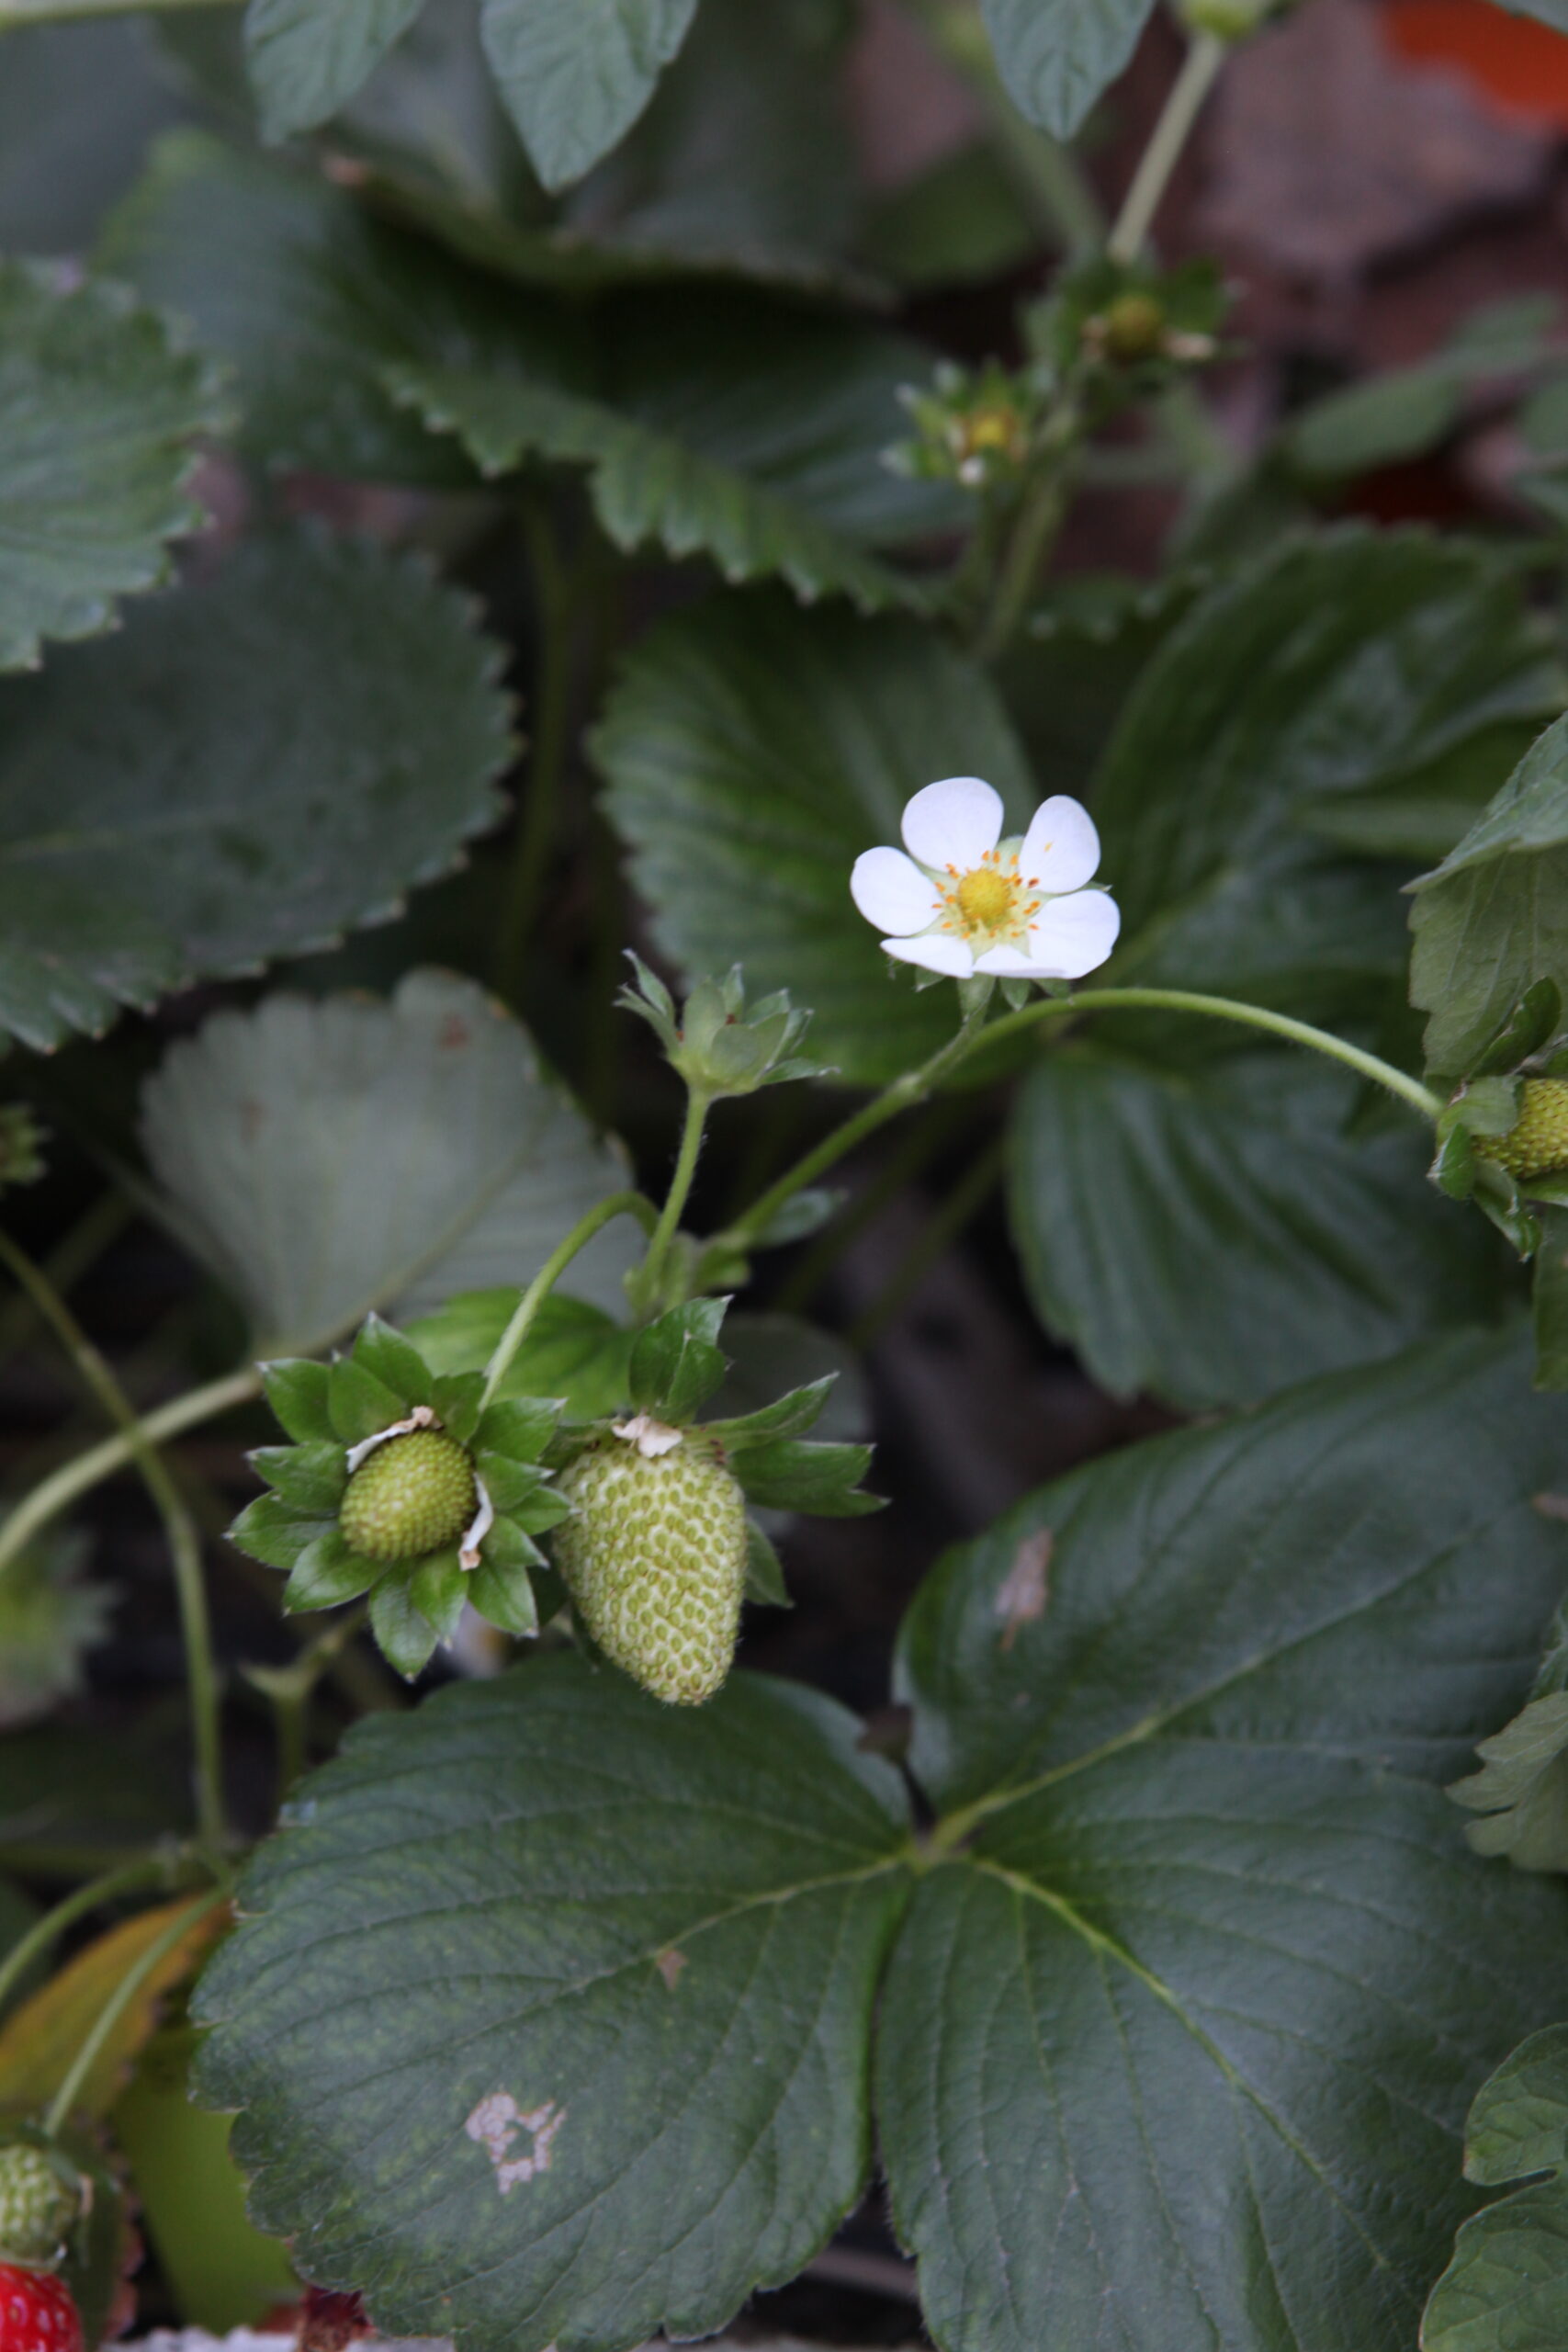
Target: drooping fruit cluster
point(655, 1559)
point(1537, 1144)
point(411, 1496)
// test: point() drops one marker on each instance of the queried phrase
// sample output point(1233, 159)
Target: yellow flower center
point(991, 902)
point(1000, 427)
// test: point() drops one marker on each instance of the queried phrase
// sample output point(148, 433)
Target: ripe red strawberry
point(36, 2314)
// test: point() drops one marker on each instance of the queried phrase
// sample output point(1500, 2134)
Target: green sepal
point(653, 1003)
point(406, 1638)
point(1533, 1022)
point(297, 1389)
point(311, 1476)
point(458, 1399)
point(1488, 1106)
point(1016, 994)
point(1549, 1300)
point(675, 1362)
point(1453, 1170)
point(1499, 1198)
point(799, 1474)
point(272, 1531)
point(361, 1406)
point(439, 1591)
point(505, 1597)
point(327, 1573)
point(519, 1427)
point(510, 1483)
point(765, 1571)
point(786, 1417)
point(715, 1044)
point(395, 1362)
point(509, 1545)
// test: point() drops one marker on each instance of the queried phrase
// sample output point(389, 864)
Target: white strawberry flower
point(963, 901)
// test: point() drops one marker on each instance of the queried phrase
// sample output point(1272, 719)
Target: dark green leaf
point(326, 1572)
point(1492, 921)
point(1548, 1298)
point(788, 1416)
point(803, 1474)
point(393, 1359)
point(519, 1427)
point(311, 1476)
point(78, 104)
point(306, 58)
point(1389, 419)
point(577, 73)
point(1533, 1021)
point(1212, 1970)
point(752, 752)
point(676, 1362)
point(732, 428)
point(309, 297)
point(572, 1350)
point(1209, 1231)
point(1506, 2287)
point(1057, 57)
point(100, 405)
point(504, 1595)
point(361, 1406)
point(325, 1157)
point(961, 221)
point(439, 1591)
point(297, 1391)
point(1331, 667)
point(237, 775)
point(1521, 1791)
point(670, 1926)
point(272, 1530)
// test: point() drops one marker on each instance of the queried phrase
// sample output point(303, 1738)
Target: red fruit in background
point(1518, 64)
point(36, 2314)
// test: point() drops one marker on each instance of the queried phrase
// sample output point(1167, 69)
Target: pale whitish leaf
point(1493, 918)
point(599, 2060)
point(306, 58)
point(1332, 669)
point(1211, 1231)
point(1176, 2047)
point(100, 405)
point(752, 752)
point(577, 73)
point(725, 426)
point(310, 297)
point(329, 1156)
point(239, 774)
point(1058, 56)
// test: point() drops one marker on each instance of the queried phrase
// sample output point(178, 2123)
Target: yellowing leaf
point(38, 2040)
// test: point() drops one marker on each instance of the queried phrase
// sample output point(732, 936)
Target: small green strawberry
point(654, 1556)
point(413, 1495)
point(40, 2202)
point(1537, 1145)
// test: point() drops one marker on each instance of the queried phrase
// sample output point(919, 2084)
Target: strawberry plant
point(578, 834)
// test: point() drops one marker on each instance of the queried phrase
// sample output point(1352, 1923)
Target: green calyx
point(654, 1556)
point(1537, 1144)
point(40, 2202)
point(413, 1495)
point(719, 1044)
point(1132, 328)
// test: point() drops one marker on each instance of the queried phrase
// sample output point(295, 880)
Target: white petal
point(1061, 848)
point(954, 822)
point(936, 951)
point(1069, 937)
point(891, 891)
point(1007, 964)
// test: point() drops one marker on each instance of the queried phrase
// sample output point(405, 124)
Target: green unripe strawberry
point(1134, 328)
point(39, 2206)
point(413, 1495)
point(654, 1555)
point(1537, 1144)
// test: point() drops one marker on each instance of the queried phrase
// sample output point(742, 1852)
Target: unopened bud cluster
point(975, 427)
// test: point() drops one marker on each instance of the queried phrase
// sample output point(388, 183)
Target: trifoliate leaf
point(333, 1157)
point(99, 406)
point(511, 2150)
point(293, 749)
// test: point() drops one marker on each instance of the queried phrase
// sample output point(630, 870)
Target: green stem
point(1040, 519)
point(967, 1197)
point(1160, 157)
point(664, 1232)
point(16, 15)
point(45, 1932)
point(83, 1471)
point(550, 1272)
point(538, 818)
point(115, 2008)
point(185, 1544)
point(914, 1085)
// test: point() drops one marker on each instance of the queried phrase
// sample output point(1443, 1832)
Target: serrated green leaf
point(1522, 1788)
point(330, 1156)
point(1506, 2287)
point(306, 58)
point(577, 73)
point(572, 1350)
point(1210, 1970)
point(718, 1937)
point(99, 406)
point(316, 732)
point(730, 427)
point(1329, 669)
point(308, 296)
point(1209, 1231)
point(752, 752)
point(1058, 57)
point(1492, 921)
point(404, 1635)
